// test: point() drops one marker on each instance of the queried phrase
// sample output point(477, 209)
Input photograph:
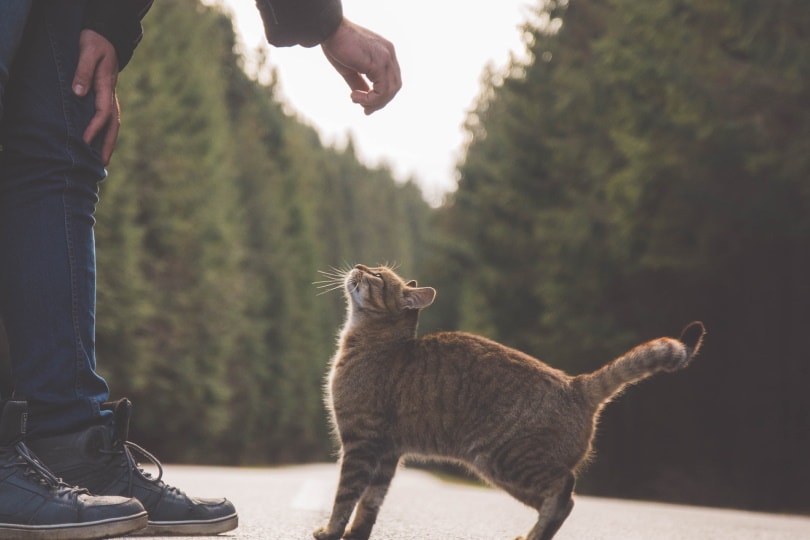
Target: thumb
point(83, 78)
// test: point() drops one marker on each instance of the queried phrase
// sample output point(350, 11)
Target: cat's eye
point(377, 275)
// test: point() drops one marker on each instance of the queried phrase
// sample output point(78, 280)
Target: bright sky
point(443, 47)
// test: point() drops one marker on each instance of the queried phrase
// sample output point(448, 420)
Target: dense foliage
point(648, 166)
point(218, 213)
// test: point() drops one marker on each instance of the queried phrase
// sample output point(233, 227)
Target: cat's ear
point(419, 298)
point(411, 283)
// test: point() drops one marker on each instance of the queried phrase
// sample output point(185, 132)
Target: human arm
point(112, 30)
point(119, 21)
point(358, 54)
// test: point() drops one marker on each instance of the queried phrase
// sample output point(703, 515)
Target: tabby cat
point(518, 423)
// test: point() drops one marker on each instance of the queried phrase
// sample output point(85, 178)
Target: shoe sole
point(79, 531)
point(190, 528)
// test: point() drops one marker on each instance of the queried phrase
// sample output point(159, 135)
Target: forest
point(649, 165)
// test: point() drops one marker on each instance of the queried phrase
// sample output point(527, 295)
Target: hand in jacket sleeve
point(112, 30)
point(119, 21)
point(359, 54)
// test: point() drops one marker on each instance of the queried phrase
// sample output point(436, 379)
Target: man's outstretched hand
point(362, 57)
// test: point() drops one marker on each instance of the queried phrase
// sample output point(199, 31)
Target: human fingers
point(111, 133)
point(385, 76)
point(98, 70)
point(105, 103)
point(357, 52)
point(352, 77)
point(89, 58)
point(386, 83)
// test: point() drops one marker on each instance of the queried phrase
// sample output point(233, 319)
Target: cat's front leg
point(356, 470)
point(372, 499)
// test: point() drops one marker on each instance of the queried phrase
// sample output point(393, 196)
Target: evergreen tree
point(218, 213)
point(646, 167)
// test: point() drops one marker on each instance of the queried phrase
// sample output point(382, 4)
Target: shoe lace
point(126, 448)
point(36, 470)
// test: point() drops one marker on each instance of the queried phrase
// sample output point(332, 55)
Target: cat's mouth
point(353, 280)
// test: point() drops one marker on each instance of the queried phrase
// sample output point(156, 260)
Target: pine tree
point(645, 168)
point(217, 215)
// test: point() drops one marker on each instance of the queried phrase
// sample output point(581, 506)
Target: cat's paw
point(357, 534)
point(325, 534)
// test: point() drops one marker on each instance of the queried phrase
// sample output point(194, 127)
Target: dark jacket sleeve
point(120, 22)
point(299, 22)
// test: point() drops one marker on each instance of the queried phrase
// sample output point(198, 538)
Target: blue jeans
point(48, 192)
point(13, 14)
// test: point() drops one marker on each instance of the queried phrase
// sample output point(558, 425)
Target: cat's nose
point(362, 267)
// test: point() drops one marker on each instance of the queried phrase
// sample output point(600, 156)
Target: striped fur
point(518, 423)
point(663, 354)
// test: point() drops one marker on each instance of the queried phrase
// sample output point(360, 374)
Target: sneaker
point(36, 505)
point(101, 459)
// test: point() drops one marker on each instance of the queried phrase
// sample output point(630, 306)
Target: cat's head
point(379, 293)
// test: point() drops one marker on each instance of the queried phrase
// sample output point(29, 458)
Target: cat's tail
point(663, 354)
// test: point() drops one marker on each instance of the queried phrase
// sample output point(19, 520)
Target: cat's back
point(478, 353)
point(459, 391)
point(439, 361)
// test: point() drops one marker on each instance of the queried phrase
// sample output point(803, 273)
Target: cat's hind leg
point(525, 468)
point(553, 502)
point(358, 465)
point(369, 506)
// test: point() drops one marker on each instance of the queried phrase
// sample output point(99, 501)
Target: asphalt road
point(288, 503)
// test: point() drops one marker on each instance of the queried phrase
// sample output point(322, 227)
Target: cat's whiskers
point(331, 279)
point(330, 290)
point(327, 284)
point(335, 279)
